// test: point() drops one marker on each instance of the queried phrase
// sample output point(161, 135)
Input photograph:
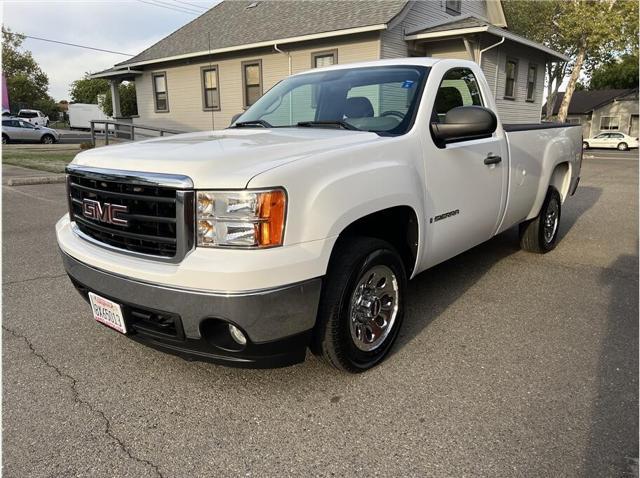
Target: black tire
point(532, 233)
point(351, 261)
point(47, 139)
point(5, 139)
point(585, 145)
point(623, 147)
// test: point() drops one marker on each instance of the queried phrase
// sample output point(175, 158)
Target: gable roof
point(468, 24)
point(583, 102)
point(233, 23)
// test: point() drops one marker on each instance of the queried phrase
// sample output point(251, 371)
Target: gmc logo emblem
point(104, 212)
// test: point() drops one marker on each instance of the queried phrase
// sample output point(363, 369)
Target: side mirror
point(464, 123)
point(235, 117)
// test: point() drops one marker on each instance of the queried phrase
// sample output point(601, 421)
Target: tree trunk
point(556, 74)
point(573, 79)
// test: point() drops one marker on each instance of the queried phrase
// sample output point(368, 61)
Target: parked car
point(18, 130)
point(35, 117)
point(611, 140)
point(299, 226)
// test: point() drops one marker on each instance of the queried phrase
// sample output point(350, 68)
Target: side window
point(459, 87)
point(6, 123)
point(160, 99)
point(25, 124)
point(324, 58)
point(531, 82)
point(251, 81)
point(210, 93)
point(511, 76)
point(453, 7)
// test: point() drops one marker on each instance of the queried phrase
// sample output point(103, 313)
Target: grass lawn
point(51, 161)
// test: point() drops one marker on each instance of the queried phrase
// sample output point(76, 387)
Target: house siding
point(421, 14)
point(624, 109)
point(184, 84)
point(516, 110)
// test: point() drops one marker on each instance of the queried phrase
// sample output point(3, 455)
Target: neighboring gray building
point(602, 110)
point(221, 62)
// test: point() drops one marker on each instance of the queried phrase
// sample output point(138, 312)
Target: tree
point(599, 28)
point(87, 90)
point(591, 32)
point(128, 104)
point(27, 84)
point(616, 74)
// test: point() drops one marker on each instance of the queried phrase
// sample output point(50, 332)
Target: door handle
point(492, 159)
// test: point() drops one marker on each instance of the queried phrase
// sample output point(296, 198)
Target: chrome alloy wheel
point(551, 221)
point(374, 308)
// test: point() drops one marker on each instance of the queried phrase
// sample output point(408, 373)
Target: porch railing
point(127, 129)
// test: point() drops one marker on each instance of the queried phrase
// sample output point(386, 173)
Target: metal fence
point(124, 130)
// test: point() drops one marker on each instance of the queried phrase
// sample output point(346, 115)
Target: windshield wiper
point(341, 124)
point(262, 123)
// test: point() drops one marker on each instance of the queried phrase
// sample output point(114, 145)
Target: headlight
point(241, 218)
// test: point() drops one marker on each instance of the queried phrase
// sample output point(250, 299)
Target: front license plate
point(107, 312)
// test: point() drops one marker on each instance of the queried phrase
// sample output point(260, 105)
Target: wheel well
point(560, 179)
point(396, 225)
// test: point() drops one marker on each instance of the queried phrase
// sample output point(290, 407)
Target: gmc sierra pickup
point(298, 226)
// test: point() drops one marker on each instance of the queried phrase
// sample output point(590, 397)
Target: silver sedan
point(16, 130)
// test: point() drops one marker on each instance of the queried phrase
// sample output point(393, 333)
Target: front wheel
point(623, 147)
point(362, 304)
point(5, 139)
point(540, 234)
point(585, 145)
point(48, 139)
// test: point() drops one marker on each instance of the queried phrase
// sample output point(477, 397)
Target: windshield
point(27, 114)
point(381, 99)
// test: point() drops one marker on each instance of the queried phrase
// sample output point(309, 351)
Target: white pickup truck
point(298, 226)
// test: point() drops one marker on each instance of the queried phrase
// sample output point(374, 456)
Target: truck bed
point(530, 126)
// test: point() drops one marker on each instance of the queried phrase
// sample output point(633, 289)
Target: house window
point(454, 7)
point(531, 82)
point(609, 123)
point(161, 101)
point(511, 71)
point(252, 81)
point(324, 58)
point(210, 93)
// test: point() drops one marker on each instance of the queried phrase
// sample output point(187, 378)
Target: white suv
point(35, 117)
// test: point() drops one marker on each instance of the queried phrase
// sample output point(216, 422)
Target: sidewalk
point(10, 172)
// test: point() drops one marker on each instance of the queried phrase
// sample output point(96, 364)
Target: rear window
point(27, 114)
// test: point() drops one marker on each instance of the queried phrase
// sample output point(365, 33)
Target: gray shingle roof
point(463, 22)
point(231, 23)
point(583, 102)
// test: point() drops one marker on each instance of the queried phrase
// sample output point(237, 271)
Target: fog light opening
point(237, 335)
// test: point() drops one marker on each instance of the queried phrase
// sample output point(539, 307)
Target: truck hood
point(222, 159)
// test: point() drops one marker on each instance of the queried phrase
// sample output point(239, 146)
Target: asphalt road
point(509, 364)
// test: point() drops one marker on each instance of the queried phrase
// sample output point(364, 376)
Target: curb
point(36, 180)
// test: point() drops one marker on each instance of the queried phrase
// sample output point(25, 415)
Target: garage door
point(633, 129)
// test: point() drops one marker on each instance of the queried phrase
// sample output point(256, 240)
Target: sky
point(127, 26)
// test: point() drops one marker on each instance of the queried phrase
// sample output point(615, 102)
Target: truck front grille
point(154, 219)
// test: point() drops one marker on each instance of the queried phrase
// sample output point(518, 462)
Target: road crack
point(31, 279)
point(77, 399)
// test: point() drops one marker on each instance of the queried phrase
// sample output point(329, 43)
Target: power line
point(169, 8)
point(192, 4)
point(173, 5)
point(70, 44)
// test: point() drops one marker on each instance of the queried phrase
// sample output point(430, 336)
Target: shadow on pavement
point(437, 288)
point(613, 439)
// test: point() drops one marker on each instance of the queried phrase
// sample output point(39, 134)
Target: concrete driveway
point(509, 364)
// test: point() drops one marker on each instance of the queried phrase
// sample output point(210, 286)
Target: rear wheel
point(623, 147)
point(362, 304)
point(540, 234)
point(48, 139)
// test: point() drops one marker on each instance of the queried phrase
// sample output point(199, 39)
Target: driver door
point(466, 189)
